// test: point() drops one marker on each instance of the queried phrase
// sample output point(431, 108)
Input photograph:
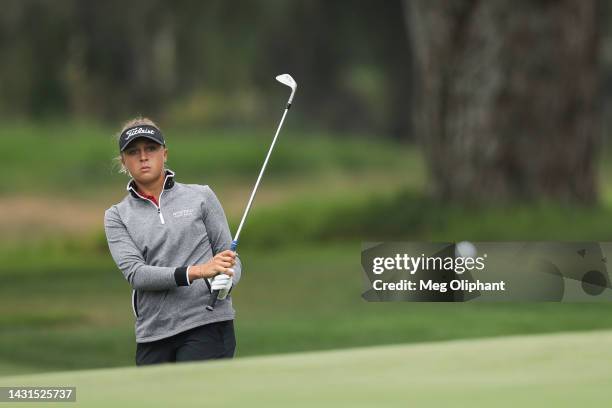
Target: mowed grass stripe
point(561, 370)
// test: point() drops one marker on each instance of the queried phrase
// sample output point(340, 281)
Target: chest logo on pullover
point(183, 213)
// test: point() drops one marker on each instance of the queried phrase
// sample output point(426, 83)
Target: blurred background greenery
point(376, 147)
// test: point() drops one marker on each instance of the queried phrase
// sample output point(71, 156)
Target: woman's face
point(144, 159)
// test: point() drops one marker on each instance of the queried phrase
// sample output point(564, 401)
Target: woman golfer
point(170, 240)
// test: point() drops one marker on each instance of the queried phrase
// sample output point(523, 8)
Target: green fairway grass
point(65, 306)
point(562, 370)
point(77, 158)
point(58, 315)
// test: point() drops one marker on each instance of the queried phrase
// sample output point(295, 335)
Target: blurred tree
point(121, 57)
point(32, 46)
point(208, 62)
point(350, 57)
point(507, 105)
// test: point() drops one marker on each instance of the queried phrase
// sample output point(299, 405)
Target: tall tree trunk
point(507, 105)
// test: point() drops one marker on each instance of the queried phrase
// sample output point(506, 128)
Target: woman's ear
point(125, 169)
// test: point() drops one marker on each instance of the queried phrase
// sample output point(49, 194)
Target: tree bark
point(507, 97)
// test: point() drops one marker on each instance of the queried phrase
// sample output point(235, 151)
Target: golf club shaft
point(215, 293)
point(263, 168)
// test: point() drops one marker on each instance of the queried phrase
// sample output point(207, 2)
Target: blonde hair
point(137, 121)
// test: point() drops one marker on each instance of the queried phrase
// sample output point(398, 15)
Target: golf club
point(284, 79)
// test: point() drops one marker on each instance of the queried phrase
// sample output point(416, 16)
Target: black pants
point(211, 341)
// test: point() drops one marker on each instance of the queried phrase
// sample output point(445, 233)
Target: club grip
point(215, 294)
point(213, 299)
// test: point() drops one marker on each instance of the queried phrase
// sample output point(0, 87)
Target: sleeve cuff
point(181, 276)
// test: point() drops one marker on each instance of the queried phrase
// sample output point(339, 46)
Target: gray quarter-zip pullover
point(154, 245)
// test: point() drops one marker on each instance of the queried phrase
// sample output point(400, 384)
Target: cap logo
point(138, 130)
point(147, 131)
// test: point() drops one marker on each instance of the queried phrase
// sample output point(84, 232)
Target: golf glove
point(222, 283)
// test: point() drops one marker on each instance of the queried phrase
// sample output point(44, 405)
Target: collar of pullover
point(168, 184)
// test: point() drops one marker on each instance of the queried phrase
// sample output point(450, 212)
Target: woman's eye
point(131, 152)
point(151, 148)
